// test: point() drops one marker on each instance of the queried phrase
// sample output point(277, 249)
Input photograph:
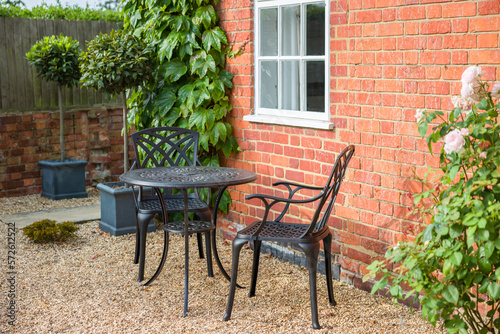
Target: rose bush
point(453, 265)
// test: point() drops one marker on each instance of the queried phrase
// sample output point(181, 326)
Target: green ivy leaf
point(165, 101)
point(214, 38)
point(175, 70)
point(202, 118)
point(205, 15)
point(226, 78)
point(218, 132)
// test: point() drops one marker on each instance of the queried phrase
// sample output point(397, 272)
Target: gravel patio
point(89, 285)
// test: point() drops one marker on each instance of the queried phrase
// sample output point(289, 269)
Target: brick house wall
point(387, 59)
point(93, 135)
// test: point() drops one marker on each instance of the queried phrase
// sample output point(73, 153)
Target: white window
point(291, 63)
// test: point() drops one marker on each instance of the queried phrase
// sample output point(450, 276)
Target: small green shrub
point(45, 231)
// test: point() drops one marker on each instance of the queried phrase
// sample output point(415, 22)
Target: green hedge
point(72, 13)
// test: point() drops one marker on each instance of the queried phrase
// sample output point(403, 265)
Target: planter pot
point(63, 179)
point(118, 209)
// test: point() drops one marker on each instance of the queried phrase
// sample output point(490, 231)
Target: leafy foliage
point(454, 263)
point(72, 13)
point(191, 86)
point(45, 231)
point(115, 62)
point(55, 58)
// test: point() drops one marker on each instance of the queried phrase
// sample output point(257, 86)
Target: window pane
point(315, 31)
point(290, 92)
point(269, 32)
point(290, 31)
point(315, 83)
point(269, 84)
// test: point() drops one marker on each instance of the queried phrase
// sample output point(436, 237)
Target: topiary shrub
point(116, 62)
point(45, 231)
point(55, 59)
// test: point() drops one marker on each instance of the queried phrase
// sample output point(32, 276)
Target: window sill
point(298, 122)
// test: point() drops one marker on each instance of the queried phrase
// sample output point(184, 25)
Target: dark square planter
point(118, 209)
point(63, 179)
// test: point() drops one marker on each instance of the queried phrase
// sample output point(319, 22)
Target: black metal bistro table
point(184, 178)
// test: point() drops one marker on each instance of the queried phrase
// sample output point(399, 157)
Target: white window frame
point(319, 120)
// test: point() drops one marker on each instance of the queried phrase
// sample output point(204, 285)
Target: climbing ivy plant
point(191, 86)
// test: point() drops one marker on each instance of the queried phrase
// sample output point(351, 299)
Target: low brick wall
point(93, 135)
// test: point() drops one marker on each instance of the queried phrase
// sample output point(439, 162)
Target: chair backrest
point(331, 190)
point(165, 146)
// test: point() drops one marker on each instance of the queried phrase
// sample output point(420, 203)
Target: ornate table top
point(188, 177)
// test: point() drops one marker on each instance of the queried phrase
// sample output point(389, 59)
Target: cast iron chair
point(306, 236)
point(159, 147)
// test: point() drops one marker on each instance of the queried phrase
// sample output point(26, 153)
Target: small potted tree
point(55, 59)
point(114, 63)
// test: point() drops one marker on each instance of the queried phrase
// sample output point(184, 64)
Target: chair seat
point(173, 205)
point(281, 232)
point(194, 226)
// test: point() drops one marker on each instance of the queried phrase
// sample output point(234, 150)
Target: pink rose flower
point(419, 113)
point(471, 74)
point(470, 83)
point(495, 91)
point(454, 142)
point(463, 103)
point(464, 132)
point(482, 155)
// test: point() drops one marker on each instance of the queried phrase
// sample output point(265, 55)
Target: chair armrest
point(133, 165)
point(298, 185)
point(276, 199)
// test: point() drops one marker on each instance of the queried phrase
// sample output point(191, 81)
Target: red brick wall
point(93, 135)
point(387, 58)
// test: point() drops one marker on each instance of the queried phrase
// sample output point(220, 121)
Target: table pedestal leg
point(186, 252)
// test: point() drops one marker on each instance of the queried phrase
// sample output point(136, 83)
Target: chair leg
point(163, 258)
point(142, 224)
point(327, 243)
point(208, 249)
point(200, 245)
point(312, 252)
point(255, 267)
point(237, 245)
point(137, 240)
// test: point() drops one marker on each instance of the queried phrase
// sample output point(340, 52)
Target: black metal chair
point(160, 147)
point(306, 236)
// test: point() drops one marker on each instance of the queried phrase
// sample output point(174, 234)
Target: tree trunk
point(125, 134)
point(61, 122)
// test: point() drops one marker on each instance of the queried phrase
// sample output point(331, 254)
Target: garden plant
point(114, 63)
point(55, 59)
point(453, 264)
point(46, 230)
point(190, 87)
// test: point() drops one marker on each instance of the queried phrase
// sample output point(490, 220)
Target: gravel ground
point(89, 285)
